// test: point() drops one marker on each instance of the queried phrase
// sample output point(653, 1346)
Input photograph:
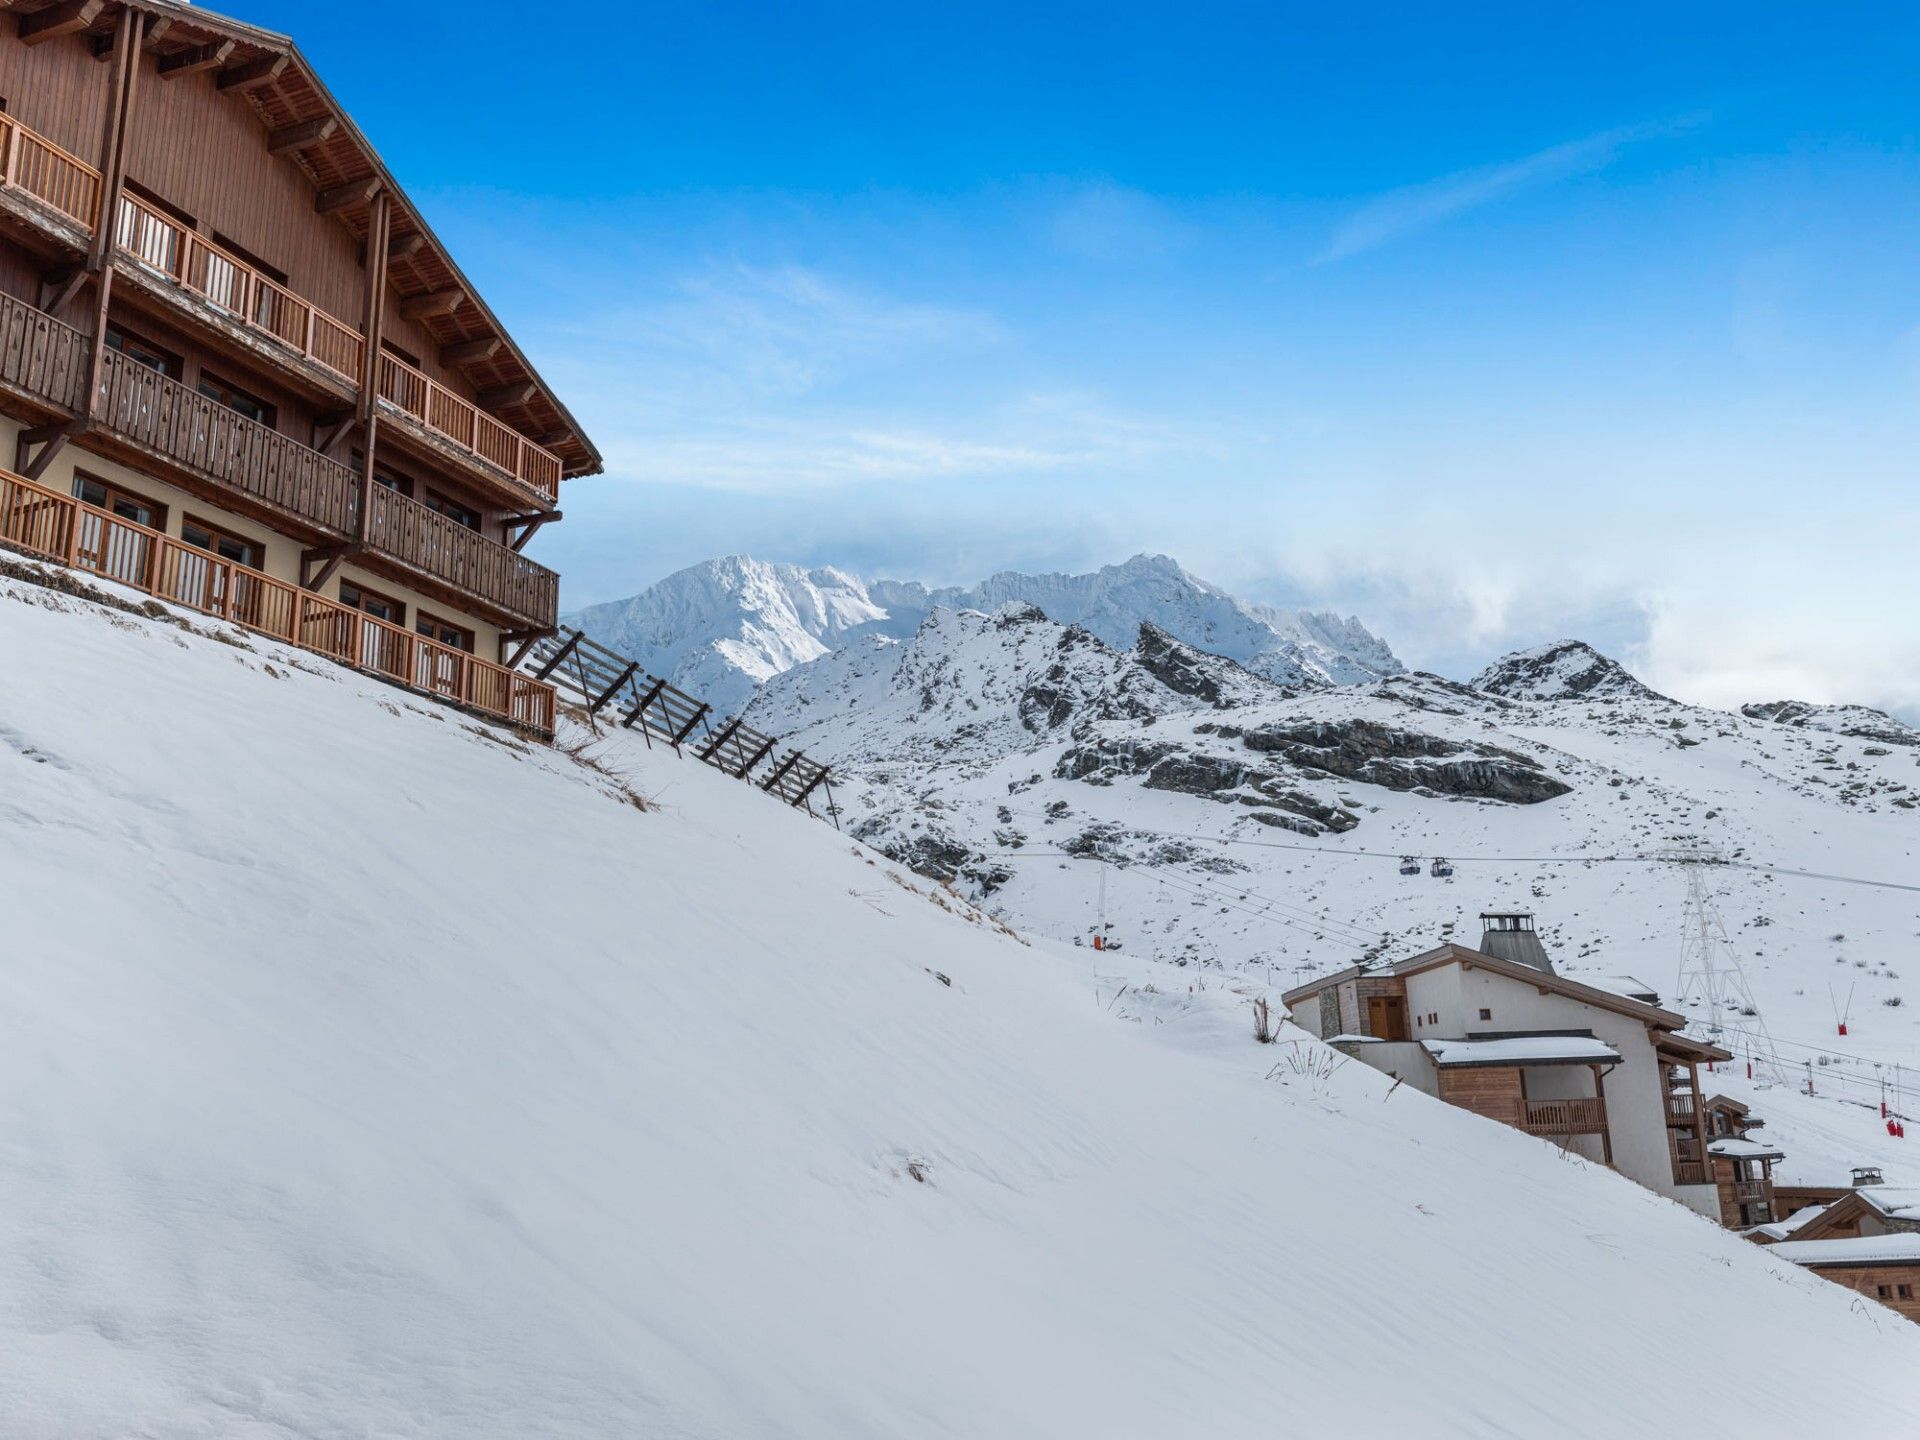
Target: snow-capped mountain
point(1564, 670)
point(721, 628)
point(1247, 827)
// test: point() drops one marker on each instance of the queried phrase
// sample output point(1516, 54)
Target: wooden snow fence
point(609, 686)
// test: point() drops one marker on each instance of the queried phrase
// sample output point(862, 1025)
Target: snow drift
point(368, 1072)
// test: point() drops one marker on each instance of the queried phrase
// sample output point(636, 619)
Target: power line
point(1360, 853)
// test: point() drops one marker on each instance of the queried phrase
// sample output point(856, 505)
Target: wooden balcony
point(1680, 1112)
point(1692, 1172)
point(65, 530)
point(46, 362)
point(1750, 1190)
point(167, 250)
point(1585, 1116)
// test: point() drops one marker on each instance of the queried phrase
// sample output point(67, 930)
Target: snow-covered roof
point(1355, 1040)
point(1734, 1148)
point(1781, 1229)
point(1894, 1201)
point(1523, 1050)
point(1898, 1249)
point(1627, 985)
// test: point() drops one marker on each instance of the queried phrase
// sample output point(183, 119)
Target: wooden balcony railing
point(163, 415)
point(410, 532)
point(1749, 1189)
point(41, 356)
point(1692, 1172)
point(1680, 1111)
point(468, 426)
point(1565, 1117)
point(223, 280)
point(70, 532)
point(43, 170)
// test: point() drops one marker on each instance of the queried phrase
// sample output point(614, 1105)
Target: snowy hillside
point(371, 1072)
point(1858, 721)
point(1261, 835)
point(719, 629)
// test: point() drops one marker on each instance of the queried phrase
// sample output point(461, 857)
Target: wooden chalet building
point(1866, 1238)
point(1498, 1032)
point(239, 371)
point(1742, 1165)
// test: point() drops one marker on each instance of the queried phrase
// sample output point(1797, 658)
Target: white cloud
point(1402, 212)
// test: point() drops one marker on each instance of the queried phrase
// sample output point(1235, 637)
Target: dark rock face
point(1187, 671)
point(1404, 760)
point(1165, 765)
point(936, 855)
point(1565, 670)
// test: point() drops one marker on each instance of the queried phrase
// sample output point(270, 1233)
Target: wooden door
point(1387, 1017)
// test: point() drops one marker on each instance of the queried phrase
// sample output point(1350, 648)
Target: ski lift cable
point(1459, 857)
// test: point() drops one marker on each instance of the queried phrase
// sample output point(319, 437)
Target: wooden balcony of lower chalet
point(149, 419)
point(51, 199)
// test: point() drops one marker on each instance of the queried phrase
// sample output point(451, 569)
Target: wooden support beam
point(808, 788)
point(754, 759)
point(59, 286)
point(779, 771)
point(712, 747)
point(157, 28)
point(340, 426)
point(67, 18)
point(297, 137)
point(645, 700)
point(340, 197)
point(253, 73)
point(512, 662)
point(51, 439)
point(501, 397)
point(613, 689)
point(332, 556)
point(434, 302)
point(469, 352)
point(559, 657)
point(519, 542)
point(196, 58)
point(687, 729)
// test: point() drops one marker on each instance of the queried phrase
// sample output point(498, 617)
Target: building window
point(400, 354)
point(453, 510)
point(1486, 1014)
point(372, 602)
point(1904, 1291)
point(124, 503)
point(220, 542)
point(143, 352)
point(450, 635)
point(1883, 1292)
point(247, 257)
point(234, 398)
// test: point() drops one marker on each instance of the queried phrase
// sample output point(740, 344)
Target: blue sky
point(1490, 324)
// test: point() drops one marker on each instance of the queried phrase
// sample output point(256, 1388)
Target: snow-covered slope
point(722, 628)
point(370, 1073)
point(1859, 721)
point(719, 628)
point(1263, 836)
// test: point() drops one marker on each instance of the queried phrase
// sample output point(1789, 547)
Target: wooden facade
point(208, 278)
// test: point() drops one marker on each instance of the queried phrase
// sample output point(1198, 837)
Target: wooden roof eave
point(345, 157)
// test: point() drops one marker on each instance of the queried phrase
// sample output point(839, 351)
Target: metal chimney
point(1509, 935)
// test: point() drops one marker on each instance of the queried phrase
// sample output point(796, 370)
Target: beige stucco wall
point(282, 554)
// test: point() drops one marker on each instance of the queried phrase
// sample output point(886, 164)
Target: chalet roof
point(1781, 1229)
point(1728, 1103)
point(1522, 1050)
point(1734, 1148)
point(1450, 954)
point(1885, 1202)
point(1902, 1248)
point(1687, 1048)
point(269, 72)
